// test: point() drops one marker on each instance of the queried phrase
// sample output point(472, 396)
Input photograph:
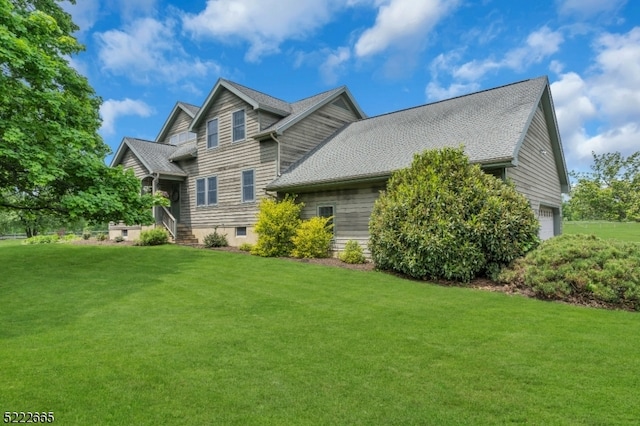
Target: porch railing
point(167, 219)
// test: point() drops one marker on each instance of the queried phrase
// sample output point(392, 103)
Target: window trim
point(206, 191)
point(333, 214)
point(244, 125)
point(242, 186)
point(241, 235)
point(217, 133)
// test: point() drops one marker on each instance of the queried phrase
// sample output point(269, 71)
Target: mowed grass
point(624, 231)
point(173, 335)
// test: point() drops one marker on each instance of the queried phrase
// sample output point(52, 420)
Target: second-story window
point(212, 133)
point(248, 186)
point(238, 125)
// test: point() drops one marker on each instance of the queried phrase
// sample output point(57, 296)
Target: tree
point(51, 155)
point(611, 191)
point(443, 218)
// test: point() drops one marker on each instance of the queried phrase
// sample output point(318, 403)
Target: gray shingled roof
point(490, 124)
point(193, 109)
point(264, 101)
point(185, 150)
point(155, 156)
point(301, 107)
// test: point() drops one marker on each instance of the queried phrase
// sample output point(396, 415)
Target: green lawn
point(173, 335)
point(625, 231)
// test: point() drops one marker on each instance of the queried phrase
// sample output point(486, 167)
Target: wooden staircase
point(184, 236)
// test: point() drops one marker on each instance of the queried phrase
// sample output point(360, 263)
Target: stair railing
point(168, 221)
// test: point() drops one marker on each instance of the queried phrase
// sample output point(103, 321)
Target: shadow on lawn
point(44, 287)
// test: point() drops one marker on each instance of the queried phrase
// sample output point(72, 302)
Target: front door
point(174, 196)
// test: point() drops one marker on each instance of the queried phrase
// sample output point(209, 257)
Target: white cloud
point(588, 8)
point(264, 24)
point(436, 92)
point(84, 13)
point(402, 21)
point(147, 50)
point(539, 45)
point(608, 94)
point(334, 64)
point(111, 109)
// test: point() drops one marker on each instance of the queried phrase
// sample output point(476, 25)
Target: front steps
point(184, 236)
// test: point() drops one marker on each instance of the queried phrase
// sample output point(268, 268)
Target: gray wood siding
point(130, 161)
point(180, 124)
point(536, 175)
point(302, 137)
point(227, 162)
point(268, 119)
point(352, 210)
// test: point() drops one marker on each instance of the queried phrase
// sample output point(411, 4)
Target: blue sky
point(144, 55)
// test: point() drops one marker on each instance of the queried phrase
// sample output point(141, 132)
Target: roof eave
point(174, 111)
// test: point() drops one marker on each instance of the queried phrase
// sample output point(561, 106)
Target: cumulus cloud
point(436, 92)
point(264, 24)
point(538, 46)
point(147, 51)
point(111, 109)
point(609, 94)
point(84, 13)
point(399, 21)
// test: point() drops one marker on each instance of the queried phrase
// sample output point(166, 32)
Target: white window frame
point(206, 191)
point(253, 186)
point(244, 126)
point(238, 235)
point(217, 133)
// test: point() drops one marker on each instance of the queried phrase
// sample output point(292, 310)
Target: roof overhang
point(172, 116)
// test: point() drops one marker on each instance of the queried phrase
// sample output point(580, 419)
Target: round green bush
point(215, 240)
point(312, 238)
point(443, 218)
point(276, 226)
point(583, 267)
point(154, 237)
point(352, 253)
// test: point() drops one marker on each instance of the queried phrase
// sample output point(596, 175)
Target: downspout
point(273, 136)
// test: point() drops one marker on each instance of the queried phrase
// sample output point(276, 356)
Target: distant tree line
point(610, 191)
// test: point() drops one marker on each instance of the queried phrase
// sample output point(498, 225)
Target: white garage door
point(545, 216)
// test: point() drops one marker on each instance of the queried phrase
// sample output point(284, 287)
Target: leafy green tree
point(611, 191)
point(443, 218)
point(51, 156)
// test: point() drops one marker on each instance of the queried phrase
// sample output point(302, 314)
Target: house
point(218, 161)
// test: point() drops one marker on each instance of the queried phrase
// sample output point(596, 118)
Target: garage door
point(545, 216)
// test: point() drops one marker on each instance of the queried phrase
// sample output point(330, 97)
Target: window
point(125, 233)
point(207, 191)
point(238, 125)
point(181, 137)
point(212, 190)
point(248, 184)
point(327, 211)
point(241, 231)
point(212, 133)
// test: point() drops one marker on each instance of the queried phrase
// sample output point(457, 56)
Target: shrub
point(276, 226)
point(101, 236)
point(352, 253)
point(246, 247)
point(154, 237)
point(86, 235)
point(118, 239)
point(313, 238)
point(581, 267)
point(215, 239)
point(443, 218)
point(42, 239)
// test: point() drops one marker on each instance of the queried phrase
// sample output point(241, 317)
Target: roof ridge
point(319, 94)
point(451, 99)
point(254, 90)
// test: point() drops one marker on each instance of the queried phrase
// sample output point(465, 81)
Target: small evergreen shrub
point(101, 236)
point(581, 267)
point(246, 247)
point(443, 218)
point(118, 239)
point(86, 235)
point(154, 237)
point(215, 239)
point(276, 226)
point(313, 238)
point(352, 253)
